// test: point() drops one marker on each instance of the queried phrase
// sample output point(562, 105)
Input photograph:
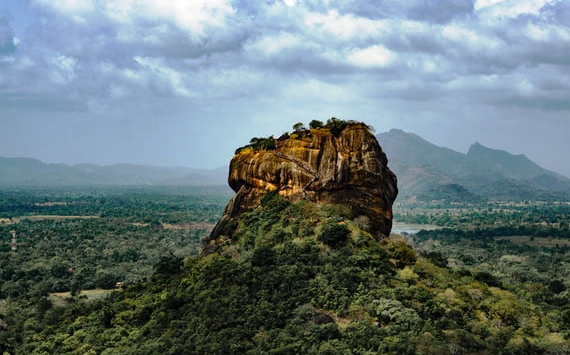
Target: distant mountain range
point(32, 172)
point(428, 172)
point(425, 171)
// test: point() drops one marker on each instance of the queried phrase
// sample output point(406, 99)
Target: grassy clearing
point(399, 227)
point(60, 298)
point(189, 226)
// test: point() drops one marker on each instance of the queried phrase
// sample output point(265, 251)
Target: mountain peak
point(478, 148)
point(422, 166)
point(413, 149)
point(476, 145)
point(505, 163)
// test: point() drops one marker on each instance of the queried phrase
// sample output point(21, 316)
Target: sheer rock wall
point(349, 168)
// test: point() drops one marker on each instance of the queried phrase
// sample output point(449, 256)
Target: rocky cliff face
point(348, 168)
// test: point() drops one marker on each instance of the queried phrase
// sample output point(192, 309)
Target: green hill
point(297, 278)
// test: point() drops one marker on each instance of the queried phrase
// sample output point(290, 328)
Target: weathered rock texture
point(349, 169)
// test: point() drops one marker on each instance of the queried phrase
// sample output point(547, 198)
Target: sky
point(186, 82)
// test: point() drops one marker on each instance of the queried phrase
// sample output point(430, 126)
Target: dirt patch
point(6, 221)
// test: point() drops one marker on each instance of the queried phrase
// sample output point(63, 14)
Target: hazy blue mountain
point(32, 172)
point(412, 149)
point(427, 171)
point(505, 164)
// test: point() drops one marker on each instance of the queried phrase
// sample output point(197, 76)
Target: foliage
point(69, 240)
point(335, 235)
point(257, 144)
point(334, 125)
point(278, 287)
point(298, 127)
point(449, 193)
point(314, 124)
point(536, 218)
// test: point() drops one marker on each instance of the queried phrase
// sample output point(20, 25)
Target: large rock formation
point(347, 168)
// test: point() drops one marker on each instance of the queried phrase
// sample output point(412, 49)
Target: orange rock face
point(349, 169)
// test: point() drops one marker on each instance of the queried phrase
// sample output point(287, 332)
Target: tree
point(263, 256)
point(336, 125)
point(169, 264)
point(299, 126)
point(258, 143)
point(556, 286)
point(396, 315)
point(335, 235)
point(315, 124)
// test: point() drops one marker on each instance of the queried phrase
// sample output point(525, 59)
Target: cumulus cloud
point(105, 56)
point(510, 8)
point(163, 48)
point(374, 56)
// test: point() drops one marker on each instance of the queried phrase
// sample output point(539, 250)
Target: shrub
point(263, 257)
point(336, 125)
point(274, 203)
point(298, 127)
point(335, 235)
point(257, 143)
point(315, 124)
point(168, 264)
point(262, 143)
point(489, 279)
point(400, 252)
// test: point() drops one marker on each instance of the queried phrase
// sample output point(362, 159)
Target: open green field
point(60, 298)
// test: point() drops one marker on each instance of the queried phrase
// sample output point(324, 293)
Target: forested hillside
point(297, 278)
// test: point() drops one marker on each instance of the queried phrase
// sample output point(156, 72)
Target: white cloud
point(68, 6)
point(510, 8)
point(163, 78)
point(374, 56)
point(259, 57)
point(547, 33)
point(425, 64)
point(64, 69)
point(196, 17)
point(335, 26)
point(272, 45)
point(310, 90)
point(471, 40)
